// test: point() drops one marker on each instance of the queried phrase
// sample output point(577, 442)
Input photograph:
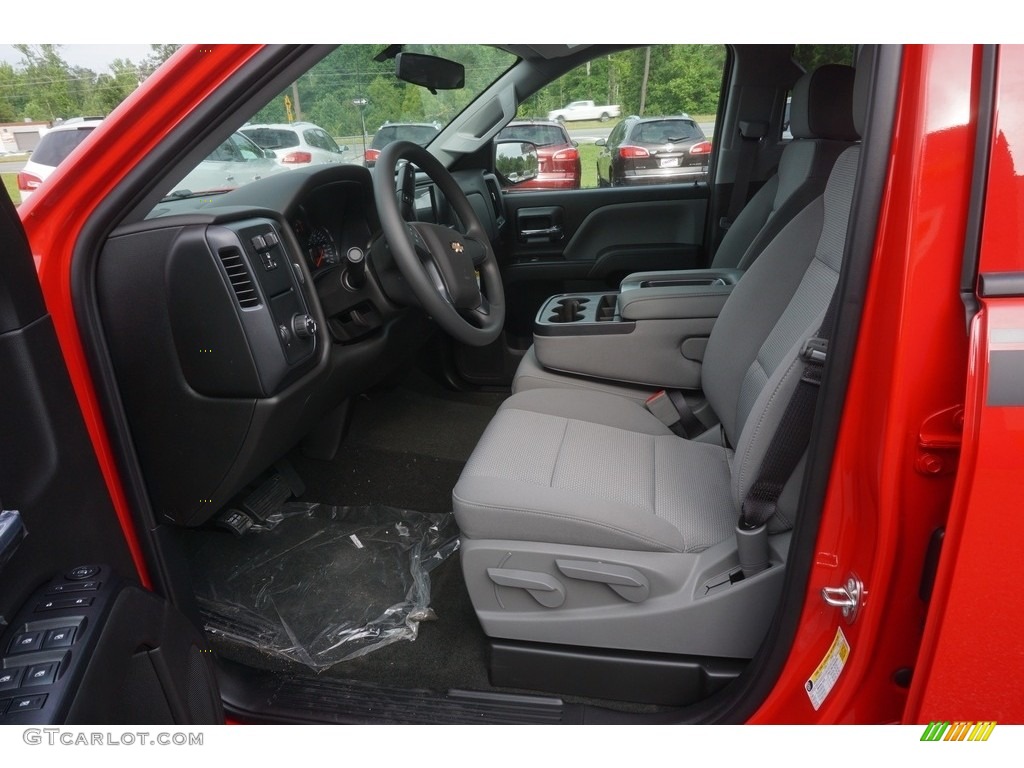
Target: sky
point(94, 41)
point(94, 56)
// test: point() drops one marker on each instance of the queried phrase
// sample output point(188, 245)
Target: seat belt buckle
point(814, 350)
point(661, 406)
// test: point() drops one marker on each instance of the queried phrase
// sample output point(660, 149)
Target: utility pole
point(361, 103)
point(295, 101)
point(643, 84)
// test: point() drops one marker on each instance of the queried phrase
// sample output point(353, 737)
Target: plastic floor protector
point(320, 584)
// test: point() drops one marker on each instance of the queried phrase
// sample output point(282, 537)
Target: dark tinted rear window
point(666, 131)
point(421, 134)
point(273, 138)
point(318, 138)
point(541, 135)
point(55, 146)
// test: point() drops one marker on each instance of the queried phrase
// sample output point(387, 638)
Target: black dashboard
point(239, 324)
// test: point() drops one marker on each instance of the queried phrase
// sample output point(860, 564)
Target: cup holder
point(568, 310)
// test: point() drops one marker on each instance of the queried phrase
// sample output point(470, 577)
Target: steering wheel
point(444, 268)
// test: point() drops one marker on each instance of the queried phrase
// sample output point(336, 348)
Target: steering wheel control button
point(59, 603)
point(59, 638)
point(74, 586)
point(10, 678)
point(40, 674)
point(82, 572)
point(26, 642)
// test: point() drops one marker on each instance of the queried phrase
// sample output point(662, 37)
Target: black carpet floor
point(405, 449)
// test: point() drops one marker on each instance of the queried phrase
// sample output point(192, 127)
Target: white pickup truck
point(584, 110)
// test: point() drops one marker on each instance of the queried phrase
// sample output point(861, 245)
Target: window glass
point(273, 138)
point(541, 135)
point(809, 58)
point(345, 97)
point(57, 145)
point(317, 137)
point(595, 101)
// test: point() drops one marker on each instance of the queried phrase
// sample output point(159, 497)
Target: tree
point(50, 82)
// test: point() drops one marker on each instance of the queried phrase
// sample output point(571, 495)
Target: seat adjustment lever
point(628, 583)
point(545, 589)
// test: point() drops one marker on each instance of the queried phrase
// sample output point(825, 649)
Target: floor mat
point(321, 584)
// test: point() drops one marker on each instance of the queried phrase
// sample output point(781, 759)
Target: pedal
point(233, 520)
point(268, 497)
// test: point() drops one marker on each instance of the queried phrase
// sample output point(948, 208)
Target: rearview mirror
point(515, 161)
point(432, 72)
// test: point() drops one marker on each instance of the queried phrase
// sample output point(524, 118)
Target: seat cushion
point(593, 469)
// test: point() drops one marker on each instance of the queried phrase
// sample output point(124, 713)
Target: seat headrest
point(822, 105)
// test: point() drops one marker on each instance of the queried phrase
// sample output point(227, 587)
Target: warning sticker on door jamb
point(819, 685)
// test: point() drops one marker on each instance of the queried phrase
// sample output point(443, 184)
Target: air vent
point(239, 278)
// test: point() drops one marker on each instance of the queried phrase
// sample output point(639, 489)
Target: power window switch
point(26, 642)
point(74, 586)
point(57, 603)
point(40, 674)
point(26, 704)
point(3, 706)
point(59, 638)
point(10, 678)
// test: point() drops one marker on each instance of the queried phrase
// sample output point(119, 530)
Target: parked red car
point(178, 372)
point(559, 160)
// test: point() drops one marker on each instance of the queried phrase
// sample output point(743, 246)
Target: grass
point(11, 185)
point(588, 165)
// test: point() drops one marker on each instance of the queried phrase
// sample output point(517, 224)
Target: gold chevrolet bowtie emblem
point(457, 246)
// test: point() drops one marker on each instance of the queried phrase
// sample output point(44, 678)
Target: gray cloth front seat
point(585, 520)
point(821, 121)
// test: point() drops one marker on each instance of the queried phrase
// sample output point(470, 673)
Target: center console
point(653, 331)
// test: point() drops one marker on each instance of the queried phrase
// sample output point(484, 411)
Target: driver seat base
point(665, 602)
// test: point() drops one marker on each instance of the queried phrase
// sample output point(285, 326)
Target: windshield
point(352, 104)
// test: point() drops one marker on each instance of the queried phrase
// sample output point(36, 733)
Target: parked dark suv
point(419, 133)
point(556, 152)
point(653, 150)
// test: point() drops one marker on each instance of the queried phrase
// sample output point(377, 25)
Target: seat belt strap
point(751, 133)
point(672, 410)
point(794, 431)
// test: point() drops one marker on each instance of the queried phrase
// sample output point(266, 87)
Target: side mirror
point(601, 143)
point(269, 154)
point(515, 161)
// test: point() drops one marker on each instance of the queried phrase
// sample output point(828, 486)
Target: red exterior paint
point(92, 171)
point(972, 656)
point(910, 364)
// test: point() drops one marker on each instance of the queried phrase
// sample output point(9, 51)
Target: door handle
point(551, 233)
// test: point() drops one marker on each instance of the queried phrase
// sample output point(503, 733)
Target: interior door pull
point(551, 233)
